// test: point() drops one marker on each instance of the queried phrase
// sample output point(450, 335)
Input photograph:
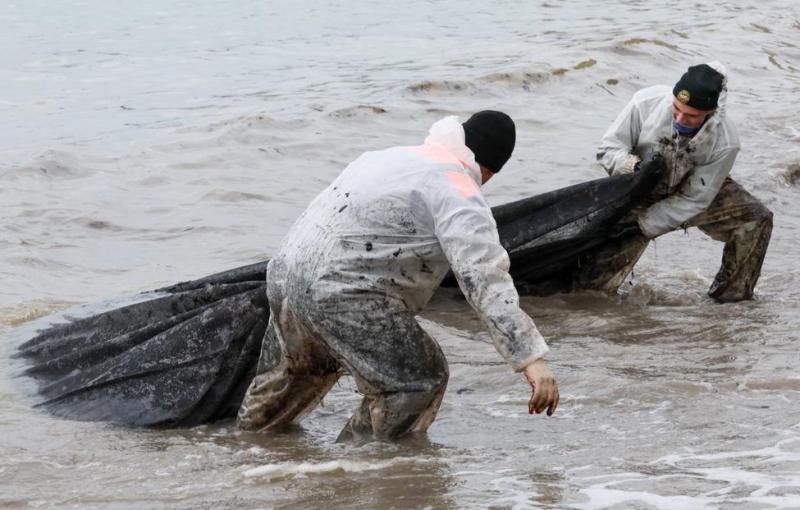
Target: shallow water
point(155, 144)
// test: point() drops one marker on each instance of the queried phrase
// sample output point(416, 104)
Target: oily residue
point(346, 113)
point(585, 64)
point(639, 40)
point(774, 61)
point(437, 86)
point(792, 174)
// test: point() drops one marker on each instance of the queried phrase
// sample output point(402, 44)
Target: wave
point(219, 195)
point(51, 164)
point(670, 50)
point(101, 225)
point(362, 110)
point(24, 312)
point(250, 121)
point(523, 78)
point(781, 384)
point(640, 40)
point(304, 469)
point(656, 294)
point(253, 131)
point(440, 86)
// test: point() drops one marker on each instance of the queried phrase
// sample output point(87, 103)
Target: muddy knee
point(760, 217)
point(281, 397)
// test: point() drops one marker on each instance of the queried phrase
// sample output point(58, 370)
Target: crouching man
point(687, 125)
point(364, 258)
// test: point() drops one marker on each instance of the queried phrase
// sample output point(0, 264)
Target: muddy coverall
point(697, 192)
point(356, 267)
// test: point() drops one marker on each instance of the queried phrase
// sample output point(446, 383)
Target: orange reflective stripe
point(463, 183)
point(437, 154)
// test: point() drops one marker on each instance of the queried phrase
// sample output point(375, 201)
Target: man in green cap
point(365, 258)
point(687, 125)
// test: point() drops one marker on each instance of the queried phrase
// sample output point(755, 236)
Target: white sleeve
point(615, 150)
point(693, 197)
point(467, 233)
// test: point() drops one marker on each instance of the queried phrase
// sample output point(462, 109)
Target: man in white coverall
point(688, 126)
point(364, 258)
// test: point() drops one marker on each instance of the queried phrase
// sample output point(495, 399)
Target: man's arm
point(468, 236)
point(615, 152)
point(693, 197)
point(467, 233)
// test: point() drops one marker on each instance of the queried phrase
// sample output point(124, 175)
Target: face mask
point(684, 130)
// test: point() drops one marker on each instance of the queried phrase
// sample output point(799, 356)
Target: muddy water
point(154, 144)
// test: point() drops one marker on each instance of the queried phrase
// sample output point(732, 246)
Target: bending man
point(364, 258)
point(687, 124)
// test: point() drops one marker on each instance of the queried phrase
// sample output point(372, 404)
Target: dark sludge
point(195, 371)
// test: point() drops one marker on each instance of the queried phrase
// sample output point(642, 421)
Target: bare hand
point(544, 386)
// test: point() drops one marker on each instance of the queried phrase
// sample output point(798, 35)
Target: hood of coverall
point(448, 133)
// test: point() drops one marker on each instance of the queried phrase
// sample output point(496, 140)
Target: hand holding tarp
point(655, 159)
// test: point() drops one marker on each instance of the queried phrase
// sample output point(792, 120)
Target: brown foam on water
point(20, 313)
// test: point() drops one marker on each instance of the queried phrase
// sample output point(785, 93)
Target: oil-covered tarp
point(185, 355)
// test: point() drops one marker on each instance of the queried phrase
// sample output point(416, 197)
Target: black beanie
point(699, 87)
point(490, 135)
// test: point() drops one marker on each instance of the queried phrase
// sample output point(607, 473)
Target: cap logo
point(684, 96)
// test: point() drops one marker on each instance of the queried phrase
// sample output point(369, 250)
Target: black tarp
point(185, 354)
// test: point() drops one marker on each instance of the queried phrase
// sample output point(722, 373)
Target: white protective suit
point(361, 261)
point(697, 166)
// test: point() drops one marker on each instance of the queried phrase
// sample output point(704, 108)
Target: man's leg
point(400, 370)
point(294, 373)
point(389, 415)
point(744, 224)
